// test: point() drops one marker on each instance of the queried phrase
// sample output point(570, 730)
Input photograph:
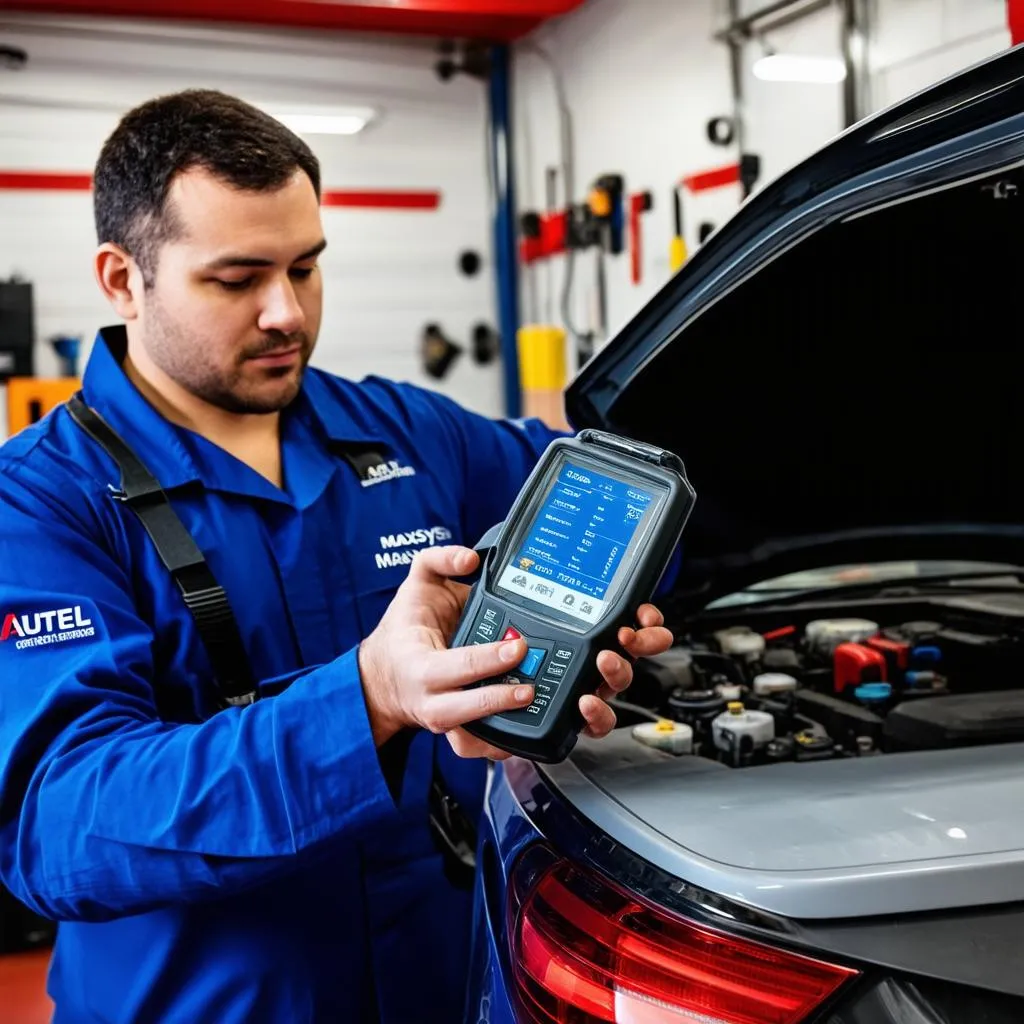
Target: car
point(812, 807)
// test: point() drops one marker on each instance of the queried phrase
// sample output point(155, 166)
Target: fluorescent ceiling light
point(792, 67)
point(340, 122)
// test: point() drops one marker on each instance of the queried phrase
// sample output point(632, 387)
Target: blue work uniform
point(246, 864)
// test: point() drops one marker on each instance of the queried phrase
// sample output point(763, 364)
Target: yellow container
point(542, 372)
point(541, 357)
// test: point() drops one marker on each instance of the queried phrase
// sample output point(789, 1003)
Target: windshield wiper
point(902, 586)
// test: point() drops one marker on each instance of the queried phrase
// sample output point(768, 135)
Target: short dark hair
point(158, 140)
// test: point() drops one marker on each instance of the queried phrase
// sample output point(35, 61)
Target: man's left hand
point(650, 638)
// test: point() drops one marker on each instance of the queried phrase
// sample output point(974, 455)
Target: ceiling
point(490, 20)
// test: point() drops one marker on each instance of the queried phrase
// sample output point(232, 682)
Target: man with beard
point(223, 795)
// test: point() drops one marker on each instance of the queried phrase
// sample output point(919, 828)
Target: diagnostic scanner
point(585, 544)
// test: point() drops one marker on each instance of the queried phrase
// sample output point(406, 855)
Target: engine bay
point(833, 687)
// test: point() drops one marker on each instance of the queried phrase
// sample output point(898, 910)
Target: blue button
point(530, 665)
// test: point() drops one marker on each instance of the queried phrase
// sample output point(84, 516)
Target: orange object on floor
point(23, 998)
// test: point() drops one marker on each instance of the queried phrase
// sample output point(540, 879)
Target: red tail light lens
point(584, 951)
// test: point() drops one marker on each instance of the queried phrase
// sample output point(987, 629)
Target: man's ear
point(120, 279)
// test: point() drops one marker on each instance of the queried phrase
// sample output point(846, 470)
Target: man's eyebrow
point(223, 262)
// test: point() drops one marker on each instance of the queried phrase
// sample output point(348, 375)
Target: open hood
point(841, 365)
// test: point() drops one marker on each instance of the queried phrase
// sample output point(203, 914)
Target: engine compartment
point(824, 687)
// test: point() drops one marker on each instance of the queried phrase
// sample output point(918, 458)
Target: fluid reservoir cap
point(741, 641)
point(729, 691)
point(676, 738)
point(927, 655)
point(738, 725)
point(872, 693)
point(773, 682)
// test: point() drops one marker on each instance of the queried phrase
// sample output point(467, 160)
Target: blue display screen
point(576, 543)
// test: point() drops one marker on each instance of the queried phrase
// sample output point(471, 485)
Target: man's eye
point(235, 286)
point(302, 273)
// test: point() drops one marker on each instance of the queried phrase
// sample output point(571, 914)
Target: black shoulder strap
point(205, 598)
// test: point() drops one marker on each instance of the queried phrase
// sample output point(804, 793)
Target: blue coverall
point(249, 864)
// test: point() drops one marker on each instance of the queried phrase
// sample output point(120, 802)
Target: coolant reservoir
point(741, 642)
point(769, 684)
point(739, 723)
point(729, 691)
point(825, 635)
point(674, 737)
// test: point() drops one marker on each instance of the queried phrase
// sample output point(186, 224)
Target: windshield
point(838, 576)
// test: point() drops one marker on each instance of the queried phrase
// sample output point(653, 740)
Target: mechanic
point(272, 860)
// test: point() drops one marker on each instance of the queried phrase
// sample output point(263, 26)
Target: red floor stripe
point(23, 998)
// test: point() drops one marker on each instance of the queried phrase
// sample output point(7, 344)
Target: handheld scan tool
point(584, 545)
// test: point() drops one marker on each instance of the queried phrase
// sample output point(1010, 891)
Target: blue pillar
point(506, 260)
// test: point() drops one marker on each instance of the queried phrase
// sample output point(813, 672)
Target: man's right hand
point(410, 676)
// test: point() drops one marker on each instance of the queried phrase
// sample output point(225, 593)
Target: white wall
point(387, 273)
point(786, 121)
point(644, 76)
point(918, 42)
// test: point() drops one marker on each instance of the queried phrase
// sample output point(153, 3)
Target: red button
point(512, 634)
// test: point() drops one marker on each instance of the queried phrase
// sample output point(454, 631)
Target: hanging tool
point(602, 229)
point(551, 177)
point(639, 204)
point(677, 248)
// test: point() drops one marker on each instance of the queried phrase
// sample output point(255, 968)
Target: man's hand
point(411, 677)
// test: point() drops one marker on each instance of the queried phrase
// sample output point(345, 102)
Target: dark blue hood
point(841, 366)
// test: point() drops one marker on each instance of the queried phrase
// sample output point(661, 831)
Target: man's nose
point(281, 310)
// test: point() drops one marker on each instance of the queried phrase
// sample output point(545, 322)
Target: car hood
point(853, 838)
point(835, 365)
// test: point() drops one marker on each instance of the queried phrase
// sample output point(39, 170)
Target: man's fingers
point(465, 745)
point(459, 666)
point(615, 670)
point(446, 711)
point(648, 615)
point(644, 643)
point(599, 717)
point(431, 565)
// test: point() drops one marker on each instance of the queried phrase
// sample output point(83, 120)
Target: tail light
point(585, 951)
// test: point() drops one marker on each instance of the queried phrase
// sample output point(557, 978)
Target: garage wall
point(387, 272)
point(918, 42)
point(643, 77)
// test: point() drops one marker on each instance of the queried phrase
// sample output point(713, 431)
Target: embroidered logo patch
point(401, 548)
point(37, 629)
point(390, 470)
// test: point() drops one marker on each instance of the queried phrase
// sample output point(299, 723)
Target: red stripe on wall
point(45, 181)
point(720, 176)
point(56, 181)
point(383, 200)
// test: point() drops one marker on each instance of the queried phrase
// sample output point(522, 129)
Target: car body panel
point(848, 838)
